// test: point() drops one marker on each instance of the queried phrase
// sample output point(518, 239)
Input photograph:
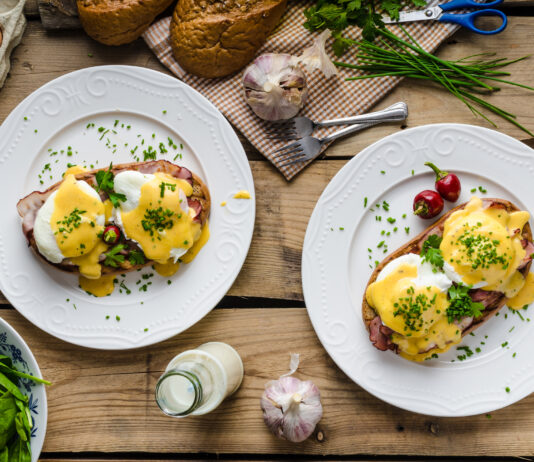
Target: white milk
point(197, 381)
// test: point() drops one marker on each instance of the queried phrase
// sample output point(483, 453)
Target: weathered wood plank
point(103, 401)
point(272, 268)
point(31, 9)
point(242, 458)
point(59, 14)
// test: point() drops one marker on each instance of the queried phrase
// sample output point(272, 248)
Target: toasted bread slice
point(415, 245)
point(28, 207)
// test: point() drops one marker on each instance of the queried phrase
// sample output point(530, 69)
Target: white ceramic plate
point(12, 345)
point(336, 267)
point(155, 107)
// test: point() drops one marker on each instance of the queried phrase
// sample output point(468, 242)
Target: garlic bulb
point(275, 88)
point(291, 407)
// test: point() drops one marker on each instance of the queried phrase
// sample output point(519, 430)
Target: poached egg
point(68, 225)
point(410, 297)
point(156, 214)
point(482, 247)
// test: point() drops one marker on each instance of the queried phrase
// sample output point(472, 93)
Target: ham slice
point(380, 335)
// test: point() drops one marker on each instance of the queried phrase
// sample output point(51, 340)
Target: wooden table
point(101, 404)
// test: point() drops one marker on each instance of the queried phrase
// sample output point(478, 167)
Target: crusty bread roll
point(116, 22)
point(415, 246)
point(214, 38)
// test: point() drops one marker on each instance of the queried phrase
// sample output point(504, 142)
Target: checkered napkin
point(327, 99)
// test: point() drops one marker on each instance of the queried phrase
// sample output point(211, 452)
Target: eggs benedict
point(440, 286)
point(103, 222)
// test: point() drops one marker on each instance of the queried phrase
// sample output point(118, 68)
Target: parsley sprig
point(136, 257)
point(430, 251)
point(461, 304)
point(336, 15)
point(114, 258)
point(104, 181)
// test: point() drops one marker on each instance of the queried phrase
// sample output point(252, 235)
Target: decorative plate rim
point(79, 94)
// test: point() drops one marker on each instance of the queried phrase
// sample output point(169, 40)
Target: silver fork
point(299, 127)
point(308, 148)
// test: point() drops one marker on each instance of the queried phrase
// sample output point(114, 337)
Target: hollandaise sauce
point(417, 314)
point(98, 287)
point(161, 223)
point(77, 219)
point(483, 246)
point(525, 296)
point(243, 194)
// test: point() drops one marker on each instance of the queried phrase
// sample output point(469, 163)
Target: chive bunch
point(469, 79)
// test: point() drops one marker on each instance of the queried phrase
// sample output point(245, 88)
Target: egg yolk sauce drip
point(483, 246)
point(100, 287)
point(162, 224)
point(417, 315)
point(525, 296)
point(76, 222)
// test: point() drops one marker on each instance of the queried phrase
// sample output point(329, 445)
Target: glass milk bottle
point(197, 381)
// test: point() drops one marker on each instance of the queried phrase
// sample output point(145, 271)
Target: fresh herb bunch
point(104, 181)
point(469, 79)
point(15, 417)
point(114, 258)
point(336, 15)
point(461, 304)
point(430, 251)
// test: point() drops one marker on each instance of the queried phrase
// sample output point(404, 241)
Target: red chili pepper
point(427, 204)
point(447, 184)
point(111, 234)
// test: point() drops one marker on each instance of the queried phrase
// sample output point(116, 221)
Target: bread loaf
point(116, 22)
point(214, 38)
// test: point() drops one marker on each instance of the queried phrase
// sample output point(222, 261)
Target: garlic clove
point(315, 57)
point(291, 407)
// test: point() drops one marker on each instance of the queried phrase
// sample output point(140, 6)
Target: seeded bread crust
point(200, 193)
point(415, 245)
point(116, 22)
point(214, 38)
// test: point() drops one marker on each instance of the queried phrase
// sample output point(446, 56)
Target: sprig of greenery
point(114, 258)
point(430, 251)
point(136, 257)
point(461, 304)
point(336, 15)
point(469, 79)
point(104, 181)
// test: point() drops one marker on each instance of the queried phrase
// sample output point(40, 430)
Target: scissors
point(467, 20)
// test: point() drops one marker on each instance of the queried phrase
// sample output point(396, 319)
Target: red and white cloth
point(327, 99)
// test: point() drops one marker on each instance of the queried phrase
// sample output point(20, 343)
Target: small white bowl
point(12, 345)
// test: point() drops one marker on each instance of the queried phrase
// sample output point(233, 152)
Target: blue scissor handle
point(461, 4)
point(467, 20)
